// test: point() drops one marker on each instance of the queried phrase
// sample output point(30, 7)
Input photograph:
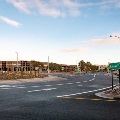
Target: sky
point(67, 31)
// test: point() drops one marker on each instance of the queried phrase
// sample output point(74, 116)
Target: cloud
point(45, 9)
point(59, 8)
point(106, 41)
point(21, 5)
point(74, 50)
point(10, 22)
point(52, 8)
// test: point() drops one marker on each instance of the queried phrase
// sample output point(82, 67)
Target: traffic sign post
point(119, 77)
point(115, 66)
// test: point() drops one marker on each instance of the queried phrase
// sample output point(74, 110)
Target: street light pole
point(48, 64)
point(17, 61)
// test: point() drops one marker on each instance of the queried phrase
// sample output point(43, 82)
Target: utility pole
point(17, 61)
point(48, 64)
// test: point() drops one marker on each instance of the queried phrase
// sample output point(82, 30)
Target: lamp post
point(48, 64)
point(17, 60)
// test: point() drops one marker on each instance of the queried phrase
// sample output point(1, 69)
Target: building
point(26, 66)
point(102, 67)
point(68, 68)
point(13, 66)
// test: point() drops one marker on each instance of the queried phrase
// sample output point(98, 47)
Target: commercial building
point(26, 66)
point(14, 66)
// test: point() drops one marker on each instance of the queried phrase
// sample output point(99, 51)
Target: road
point(70, 99)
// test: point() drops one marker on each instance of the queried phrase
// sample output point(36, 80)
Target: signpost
point(77, 69)
point(115, 66)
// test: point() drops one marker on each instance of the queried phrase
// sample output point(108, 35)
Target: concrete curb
point(108, 96)
point(103, 95)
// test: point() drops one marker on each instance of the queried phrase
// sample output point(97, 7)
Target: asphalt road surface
point(70, 99)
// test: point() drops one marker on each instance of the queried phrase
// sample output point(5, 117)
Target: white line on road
point(48, 85)
point(66, 95)
point(48, 89)
point(79, 85)
point(69, 83)
point(5, 88)
point(94, 75)
point(34, 91)
point(86, 92)
point(20, 87)
point(4, 85)
point(78, 82)
point(35, 86)
point(59, 84)
point(71, 94)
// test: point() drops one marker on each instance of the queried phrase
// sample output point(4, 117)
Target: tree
point(54, 66)
point(93, 68)
point(36, 64)
point(88, 66)
point(82, 64)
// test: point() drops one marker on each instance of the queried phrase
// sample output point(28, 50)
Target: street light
point(17, 60)
point(48, 65)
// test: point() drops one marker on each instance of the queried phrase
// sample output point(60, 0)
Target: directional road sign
point(114, 66)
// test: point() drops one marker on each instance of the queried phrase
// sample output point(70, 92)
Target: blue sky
point(65, 30)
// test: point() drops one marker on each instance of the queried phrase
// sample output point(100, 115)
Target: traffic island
point(110, 94)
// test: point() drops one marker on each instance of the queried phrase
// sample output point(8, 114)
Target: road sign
point(114, 66)
point(77, 69)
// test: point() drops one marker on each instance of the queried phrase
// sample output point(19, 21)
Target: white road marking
point(59, 84)
point(72, 94)
point(90, 80)
point(84, 81)
point(69, 83)
point(48, 85)
point(59, 96)
point(86, 92)
point(48, 89)
point(14, 86)
point(66, 95)
point(78, 82)
point(34, 91)
point(5, 88)
point(78, 93)
point(4, 85)
point(35, 86)
point(79, 85)
point(20, 87)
